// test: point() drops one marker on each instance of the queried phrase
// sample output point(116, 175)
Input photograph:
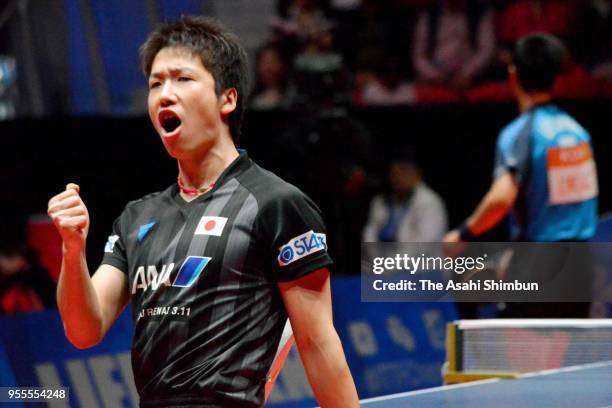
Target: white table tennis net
point(527, 345)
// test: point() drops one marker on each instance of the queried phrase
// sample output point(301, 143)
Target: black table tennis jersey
point(202, 277)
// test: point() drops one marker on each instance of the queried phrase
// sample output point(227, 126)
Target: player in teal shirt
point(544, 174)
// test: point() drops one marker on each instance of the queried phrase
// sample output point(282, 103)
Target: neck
point(527, 101)
point(201, 173)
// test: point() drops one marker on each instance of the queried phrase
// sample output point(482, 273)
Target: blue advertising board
point(391, 347)
point(37, 354)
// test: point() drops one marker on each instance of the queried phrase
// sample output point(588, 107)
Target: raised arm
point(88, 306)
point(308, 303)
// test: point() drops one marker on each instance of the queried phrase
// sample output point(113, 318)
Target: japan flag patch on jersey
point(211, 226)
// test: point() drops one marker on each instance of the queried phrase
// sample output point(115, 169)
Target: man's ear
point(229, 100)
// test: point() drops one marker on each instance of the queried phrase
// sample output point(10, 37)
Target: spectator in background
point(302, 21)
point(25, 286)
point(271, 79)
point(322, 127)
point(379, 81)
point(412, 212)
point(319, 74)
point(320, 42)
point(454, 42)
point(345, 14)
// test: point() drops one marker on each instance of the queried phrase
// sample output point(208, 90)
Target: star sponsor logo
point(302, 245)
point(210, 225)
point(110, 244)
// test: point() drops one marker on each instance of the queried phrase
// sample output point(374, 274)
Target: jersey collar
point(240, 164)
point(236, 167)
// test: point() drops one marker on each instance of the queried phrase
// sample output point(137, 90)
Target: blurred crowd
point(323, 56)
point(25, 285)
point(390, 52)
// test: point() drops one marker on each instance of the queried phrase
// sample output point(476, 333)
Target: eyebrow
point(172, 71)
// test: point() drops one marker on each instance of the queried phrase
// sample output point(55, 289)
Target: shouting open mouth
point(170, 122)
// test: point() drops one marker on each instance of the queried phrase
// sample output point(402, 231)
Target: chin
point(178, 152)
point(172, 149)
point(185, 148)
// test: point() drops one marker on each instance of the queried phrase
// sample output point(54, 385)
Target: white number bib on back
point(572, 177)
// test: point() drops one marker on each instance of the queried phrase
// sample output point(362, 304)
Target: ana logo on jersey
point(148, 277)
point(110, 244)
point(211, 226)
point(301, 246)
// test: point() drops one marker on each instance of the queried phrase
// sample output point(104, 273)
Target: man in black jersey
point(214, 264)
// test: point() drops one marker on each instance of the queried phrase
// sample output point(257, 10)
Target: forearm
point(495, 205)
point(77, 301)
point(488, 214)
point(308, 303)
point(328, 372)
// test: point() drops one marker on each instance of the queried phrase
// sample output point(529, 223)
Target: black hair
point(538, 59)
point(218, 49)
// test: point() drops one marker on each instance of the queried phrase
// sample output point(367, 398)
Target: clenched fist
point(70, 217)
